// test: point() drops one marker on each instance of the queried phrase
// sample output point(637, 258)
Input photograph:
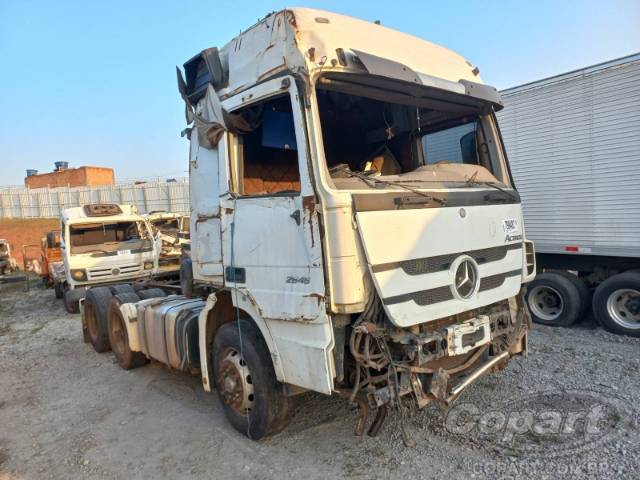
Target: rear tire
point(122, 288)
point(554, 300)
point(151, 293)
point(616, 304)
point(252, 399)
point(118, 336)
point(70, 305)
point(96, 307)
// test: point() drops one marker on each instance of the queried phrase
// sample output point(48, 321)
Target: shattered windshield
point(391, 140)
point(108, 237)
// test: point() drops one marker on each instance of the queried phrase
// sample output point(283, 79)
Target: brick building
point(72, 177)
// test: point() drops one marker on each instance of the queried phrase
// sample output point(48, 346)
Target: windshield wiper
point(471, 181)
point(373, 182)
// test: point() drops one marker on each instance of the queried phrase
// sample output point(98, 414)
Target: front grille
point(100, 272)
point(423, 297)
point(441, 263)
point(442, 294)
point(495, 281)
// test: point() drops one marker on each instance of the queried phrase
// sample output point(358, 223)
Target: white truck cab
point(355, 229)
point(104, 244)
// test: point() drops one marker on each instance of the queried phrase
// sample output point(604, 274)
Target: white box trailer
point(573, 143)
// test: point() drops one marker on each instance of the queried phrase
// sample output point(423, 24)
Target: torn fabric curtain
point(213, 120)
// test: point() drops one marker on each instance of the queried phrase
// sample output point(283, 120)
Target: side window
point(268, 157)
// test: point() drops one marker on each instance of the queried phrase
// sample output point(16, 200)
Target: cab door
point(271, 238)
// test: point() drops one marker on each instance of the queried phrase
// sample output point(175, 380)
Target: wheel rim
point(623, 306)
point(545, 302)
point(92, 321)
point(118, 336)
point(235, 382)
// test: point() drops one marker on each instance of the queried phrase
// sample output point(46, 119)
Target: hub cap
point(545, 303)
point(235, 382)
point(623, 306)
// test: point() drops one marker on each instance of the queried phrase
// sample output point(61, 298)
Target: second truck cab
point(104, 244)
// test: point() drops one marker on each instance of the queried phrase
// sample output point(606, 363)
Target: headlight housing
point(148, 265)
point(79, 274)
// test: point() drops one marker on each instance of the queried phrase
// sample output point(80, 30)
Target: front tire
point(616, 304)
point(252, 399)
point(58, 289)
point(554, 300)
point(70, 305)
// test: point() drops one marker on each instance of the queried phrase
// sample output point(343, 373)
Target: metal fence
point(22, 202)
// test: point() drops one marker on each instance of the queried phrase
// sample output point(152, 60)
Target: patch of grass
point(5, 330)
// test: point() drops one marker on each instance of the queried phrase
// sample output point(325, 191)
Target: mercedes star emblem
point(466, 278)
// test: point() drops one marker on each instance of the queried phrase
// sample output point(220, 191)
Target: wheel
point(58, 289)
point(583, 291)
point(252, 399)
point(554, 300)
point(151, 293)
point(122, 288)
point(186, 278)
point(118, 337)
point(96, 307)
point(70, 305)
point(616, 304)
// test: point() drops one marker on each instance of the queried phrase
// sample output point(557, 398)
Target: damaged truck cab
point(355, 229)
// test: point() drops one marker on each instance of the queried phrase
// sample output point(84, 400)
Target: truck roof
point(297, 39)
point(79, 214)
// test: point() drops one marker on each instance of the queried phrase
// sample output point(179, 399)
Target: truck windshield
point(107, 237)
point(408, 141)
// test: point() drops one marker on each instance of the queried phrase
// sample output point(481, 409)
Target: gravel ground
point(67, 412)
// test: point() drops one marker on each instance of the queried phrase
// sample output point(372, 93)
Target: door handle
point(296, 216)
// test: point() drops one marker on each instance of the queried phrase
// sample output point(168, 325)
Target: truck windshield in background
point(107, 237)
point(404, 143)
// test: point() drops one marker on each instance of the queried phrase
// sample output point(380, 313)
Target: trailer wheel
point(554, 300)
point(151, 293)
point(616, 304)
point(252, 399)
point(583, 291)
point(118, 336)
point(122, 288)
point(58, 289)
point(96, 307)
point(70, 305)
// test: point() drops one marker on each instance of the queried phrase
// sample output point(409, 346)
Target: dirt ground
point(68, 412)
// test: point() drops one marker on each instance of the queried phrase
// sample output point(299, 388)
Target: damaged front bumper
point(433, 363)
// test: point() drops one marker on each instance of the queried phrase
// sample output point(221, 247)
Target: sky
point(93, 82)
